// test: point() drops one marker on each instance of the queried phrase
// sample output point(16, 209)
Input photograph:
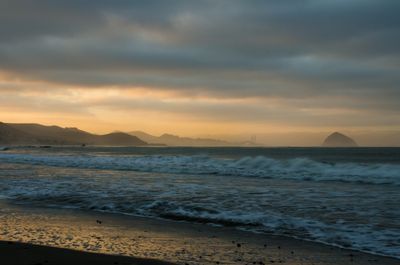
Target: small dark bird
point(99, 222)
point(238, 245)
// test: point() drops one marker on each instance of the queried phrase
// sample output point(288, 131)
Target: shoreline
point(118, 215)
point(170, 241)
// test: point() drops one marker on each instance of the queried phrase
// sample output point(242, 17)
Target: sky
point(223, 68)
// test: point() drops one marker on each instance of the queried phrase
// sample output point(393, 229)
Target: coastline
point(169, 241)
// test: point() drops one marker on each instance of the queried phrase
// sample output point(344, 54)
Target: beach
point(200, 132)
point(119, 239)
point(13, 253)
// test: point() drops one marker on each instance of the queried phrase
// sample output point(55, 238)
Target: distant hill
point(337, 139)
point(15, 134)
point(9, 135)
point(119, 139)
point(174, 140)
point(151, 139)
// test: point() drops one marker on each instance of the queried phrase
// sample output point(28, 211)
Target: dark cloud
point(227, 49)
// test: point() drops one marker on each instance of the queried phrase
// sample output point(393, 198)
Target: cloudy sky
point(217, 67)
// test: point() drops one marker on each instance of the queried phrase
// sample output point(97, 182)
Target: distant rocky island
point(337, 139)
point(36, 134)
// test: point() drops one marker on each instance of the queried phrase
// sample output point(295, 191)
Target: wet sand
point(12, 253)
point(171, 241)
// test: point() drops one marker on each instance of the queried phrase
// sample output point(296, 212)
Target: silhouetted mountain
point(119, 139)
point(11, 133)
point(151, 139)
point(174, 140)
point(337, 139)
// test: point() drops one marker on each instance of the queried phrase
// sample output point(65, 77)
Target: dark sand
point(125, 239)
point(12, 253)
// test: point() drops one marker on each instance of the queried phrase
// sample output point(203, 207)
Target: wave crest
point(259, 166)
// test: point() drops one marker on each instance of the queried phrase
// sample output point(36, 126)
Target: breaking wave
point(348, 204)
point(260, 166)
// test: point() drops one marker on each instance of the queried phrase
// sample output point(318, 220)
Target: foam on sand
point(182, 243)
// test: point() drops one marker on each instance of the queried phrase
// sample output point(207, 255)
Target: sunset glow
point(228, 69)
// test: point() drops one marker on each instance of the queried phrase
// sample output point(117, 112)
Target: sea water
point(348, 197)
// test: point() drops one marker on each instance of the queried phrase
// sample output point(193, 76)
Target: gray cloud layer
point(295, 49)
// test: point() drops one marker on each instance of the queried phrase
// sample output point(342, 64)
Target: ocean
point(347, 197)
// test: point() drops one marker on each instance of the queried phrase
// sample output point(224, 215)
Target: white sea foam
point(260, 166)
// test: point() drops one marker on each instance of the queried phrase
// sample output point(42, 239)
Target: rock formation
point(337, 139)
